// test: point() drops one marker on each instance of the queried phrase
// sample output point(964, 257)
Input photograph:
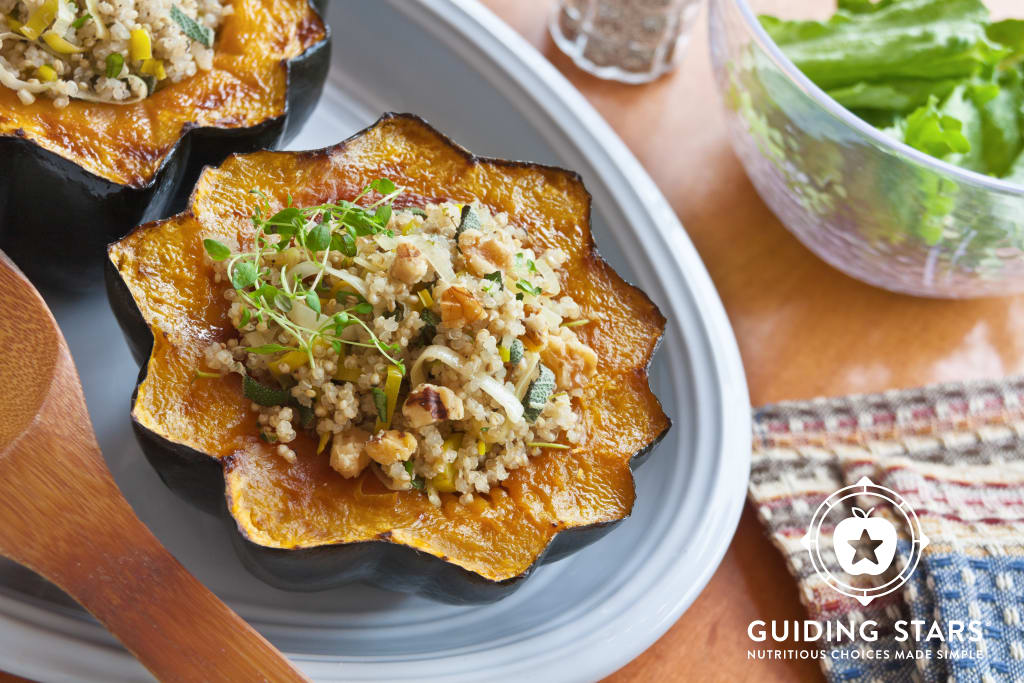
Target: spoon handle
point(106, 559)
point(64, 517)
point(172, 623)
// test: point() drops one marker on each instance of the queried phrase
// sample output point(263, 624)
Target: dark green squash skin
point(199, 479)
point(56, 218)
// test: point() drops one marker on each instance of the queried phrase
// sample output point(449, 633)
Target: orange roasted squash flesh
point(276, 505)
point(127, 144)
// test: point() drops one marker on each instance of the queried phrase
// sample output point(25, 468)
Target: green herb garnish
point(516, 351)
point(269, 348)
point(416, 480)
point(417, 211)
point(115, 63)
point(315, 231)
point(528, 288)
point(80, 21)
point(306, 415)
point(244, 274)
point(430, 318)
point(193, 29)
point(538, 394)
point(522, 262)
point(469, 220)
point(380, 402)
point(313, 301)
point(494, 277)
point(216, 250)
point(261, 394)
point(428, 330)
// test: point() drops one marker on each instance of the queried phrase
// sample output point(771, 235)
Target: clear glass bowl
point(868, 205)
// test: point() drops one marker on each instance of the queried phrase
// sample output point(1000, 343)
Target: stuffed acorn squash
point(90, 148)
point(324, 372)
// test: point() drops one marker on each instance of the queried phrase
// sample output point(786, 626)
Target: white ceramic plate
point(579, 619)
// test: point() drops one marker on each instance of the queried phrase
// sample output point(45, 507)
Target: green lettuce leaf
point(901, 39)
point(898, 95)
point(934, 133)
point(1000, 110)
point(1009, 34)
point(934, 74)
point(962, 106)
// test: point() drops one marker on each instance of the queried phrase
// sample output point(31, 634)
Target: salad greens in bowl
point(888, 137)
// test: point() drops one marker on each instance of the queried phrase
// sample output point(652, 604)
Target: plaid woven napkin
point(955, 453)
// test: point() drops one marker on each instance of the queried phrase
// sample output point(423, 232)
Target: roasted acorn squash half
point(305, 527)
point(73, 179)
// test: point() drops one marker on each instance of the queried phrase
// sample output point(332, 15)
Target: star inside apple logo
point(864, 544)
point(861, 544)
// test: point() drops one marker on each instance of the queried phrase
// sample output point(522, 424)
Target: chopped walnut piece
point(486, 253)
point(571, 360)
point(409, 266)
point(391, 446)
point(459, 307)
point(348, 457)
point(430, 403)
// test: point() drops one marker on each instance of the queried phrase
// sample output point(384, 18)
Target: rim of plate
point(711, 357)
point(514, 66)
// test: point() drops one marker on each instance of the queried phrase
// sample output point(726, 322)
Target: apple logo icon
point(864, 544)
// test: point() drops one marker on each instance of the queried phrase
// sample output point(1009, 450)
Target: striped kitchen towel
point(954, 454)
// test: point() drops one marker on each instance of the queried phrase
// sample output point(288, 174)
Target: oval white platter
point(476, 80)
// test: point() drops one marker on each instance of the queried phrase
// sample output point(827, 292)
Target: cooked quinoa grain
point(431, 345)
point(115, 51)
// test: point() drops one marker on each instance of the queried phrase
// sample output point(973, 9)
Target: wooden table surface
point(804, 329)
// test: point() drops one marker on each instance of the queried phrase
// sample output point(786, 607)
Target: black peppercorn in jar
point(634, 41)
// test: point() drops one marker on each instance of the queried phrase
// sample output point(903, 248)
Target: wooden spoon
point(62, 515)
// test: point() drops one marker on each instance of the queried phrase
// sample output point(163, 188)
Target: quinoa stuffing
point(428, 344)
point(114, 51)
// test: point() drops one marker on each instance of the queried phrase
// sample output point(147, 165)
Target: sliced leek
point(141, 45)
point(10, 79)
point(392, 385)
point(444, 482)
point(46, 73)
point(94, 12)
point(60, 45)
point(492, 387)
point(347, 374)
point(425, 298)
point(154, 68)
point(40, 19)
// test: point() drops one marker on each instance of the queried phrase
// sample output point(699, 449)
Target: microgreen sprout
point(295, 304)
